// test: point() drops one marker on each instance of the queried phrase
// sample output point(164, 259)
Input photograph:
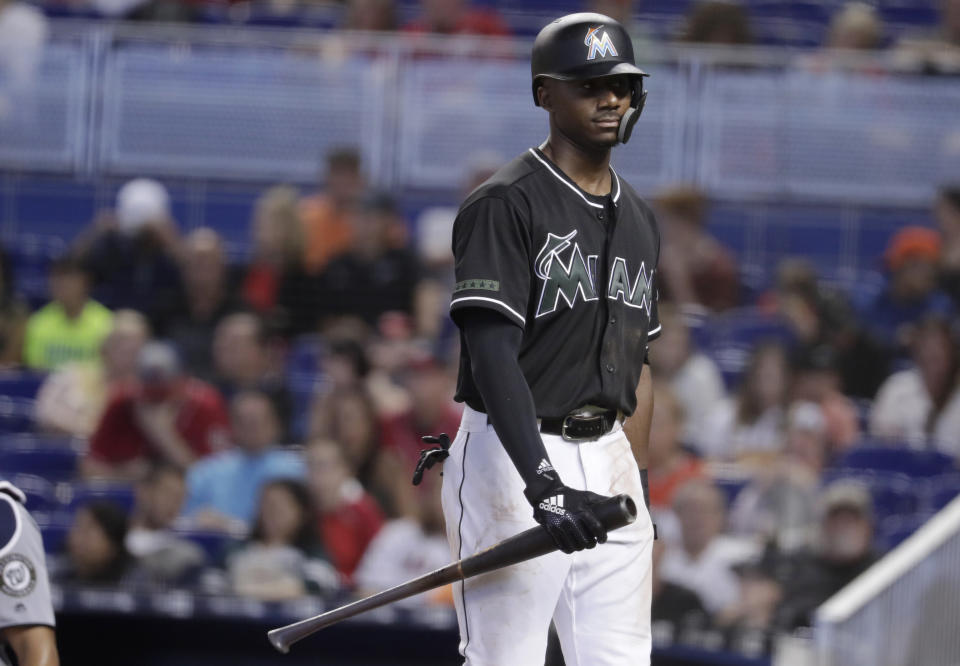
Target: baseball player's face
point(588, 111)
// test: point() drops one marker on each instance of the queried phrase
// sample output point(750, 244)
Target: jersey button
point(613, 320)
point(610, 367)
point(599, 216)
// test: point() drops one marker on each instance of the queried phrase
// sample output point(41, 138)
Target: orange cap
point(912, 242)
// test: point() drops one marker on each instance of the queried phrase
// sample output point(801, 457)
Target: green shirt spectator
point(72, 326)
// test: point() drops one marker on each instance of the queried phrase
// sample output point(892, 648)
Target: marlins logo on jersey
point(577, 277)
point(602, 45)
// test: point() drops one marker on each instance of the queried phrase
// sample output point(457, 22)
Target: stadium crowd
point(251, 426)
point(278, 404)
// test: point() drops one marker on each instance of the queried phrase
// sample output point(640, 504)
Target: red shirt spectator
point(403, 432)
point(164, 416)
point(349, 529)
point(348, 516)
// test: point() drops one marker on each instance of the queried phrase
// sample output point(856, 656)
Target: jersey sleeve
point(24, 585)
point(491, 253)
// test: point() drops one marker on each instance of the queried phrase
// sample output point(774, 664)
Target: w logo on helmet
point(599, 45)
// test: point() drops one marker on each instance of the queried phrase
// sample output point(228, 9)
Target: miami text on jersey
point(577, 275)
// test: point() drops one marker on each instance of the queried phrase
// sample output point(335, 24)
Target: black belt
point(578, 427)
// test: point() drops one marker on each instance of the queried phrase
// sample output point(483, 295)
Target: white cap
point(140, 202)
point(807, 416)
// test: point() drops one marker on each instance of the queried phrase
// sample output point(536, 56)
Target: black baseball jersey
point(576, 271)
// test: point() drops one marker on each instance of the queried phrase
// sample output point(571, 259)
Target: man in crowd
point(165, 416)
point(223, 489)
point(69, 328)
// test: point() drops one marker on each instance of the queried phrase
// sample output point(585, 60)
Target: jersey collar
point(562, 177)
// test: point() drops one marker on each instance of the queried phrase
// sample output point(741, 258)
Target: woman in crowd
point(95, 553)
point(750, 425)
point(284, 557)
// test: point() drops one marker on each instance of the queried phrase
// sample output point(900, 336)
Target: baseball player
point(26, 614)
point(555, 265)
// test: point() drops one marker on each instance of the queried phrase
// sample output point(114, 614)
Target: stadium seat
point(892, 493)
point(216, 545)
point(20, 383)
point(942, 491)
point(41, 493)
point(54, 528)
point(893, 530)
point(79, 493)
point(53, 458)
point(16, 415)
point(916, 464)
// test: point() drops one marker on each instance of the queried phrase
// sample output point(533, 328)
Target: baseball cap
point(911, 243)
point(140, 202)
point(846, 494)
point(806, 416)
point(157, 363)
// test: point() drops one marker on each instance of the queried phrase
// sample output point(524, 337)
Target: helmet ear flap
point(630, 118)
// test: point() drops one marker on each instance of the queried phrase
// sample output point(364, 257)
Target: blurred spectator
point(243, 361)
point(163, 557)
point(749, 624)
point(432, 409)
point(275, 284)
point(780, 502)
point(326, 215)
point(408, 547)
point(284, 558)
point(856, 25)
point(207, 299)
point(948, 221)
point(816, 379)
point(349, 518)
point(922, 404)
point(223, 488)
point(751, 423)
point(936, 53)
point(96, 552)
point(701, 562)
point(694, 377)
point(371, 277)
point(842, 551)
point(23, 33)
point(820, 316)
point(677, 611)
point(164, 416)
point(695, 268)
point(456, 17)
point(910, 291)
point(670, 466)
point(14, 313)
point(350, 418)
point(619, 10)
point(71, 400)
point(373, 15)
point(72, 326)
point(132, 258)
point(718, 23)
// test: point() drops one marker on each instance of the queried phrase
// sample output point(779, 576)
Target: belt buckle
point(570, 417)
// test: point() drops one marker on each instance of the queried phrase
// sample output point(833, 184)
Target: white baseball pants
point(599, 599)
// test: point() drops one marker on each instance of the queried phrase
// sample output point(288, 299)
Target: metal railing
point(255, 104)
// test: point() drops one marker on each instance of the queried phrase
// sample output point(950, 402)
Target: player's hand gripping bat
point(613, 513)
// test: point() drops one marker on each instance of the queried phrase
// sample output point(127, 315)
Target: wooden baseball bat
point(613, 513)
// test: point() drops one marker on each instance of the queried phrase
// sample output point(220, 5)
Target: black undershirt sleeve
point(493, 342)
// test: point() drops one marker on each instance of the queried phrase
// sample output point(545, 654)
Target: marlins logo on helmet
point(599, 45)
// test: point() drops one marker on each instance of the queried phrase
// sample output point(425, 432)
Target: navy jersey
point(577, 272)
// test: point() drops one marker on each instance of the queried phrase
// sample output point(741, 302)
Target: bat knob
point(276, 640)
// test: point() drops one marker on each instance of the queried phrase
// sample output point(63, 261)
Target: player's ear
point(543, 95)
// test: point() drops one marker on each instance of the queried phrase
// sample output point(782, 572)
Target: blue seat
point(54, 528)
point(916, 464)
point(41, 493)
point(943, 491)
point(216, 545)
point(893, 530)
point(16, 414)
point(83, 492)
point(53, 458)
point(20, 384)
point(893, 493)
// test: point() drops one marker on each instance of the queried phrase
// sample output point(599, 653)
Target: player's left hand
point(567, 516)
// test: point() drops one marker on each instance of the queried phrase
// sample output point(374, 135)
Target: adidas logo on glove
point(553, 505)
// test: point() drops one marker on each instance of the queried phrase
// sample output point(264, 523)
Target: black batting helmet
point(587, 46)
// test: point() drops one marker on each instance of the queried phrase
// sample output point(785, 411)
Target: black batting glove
point(566, 515)
point(430, 457)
